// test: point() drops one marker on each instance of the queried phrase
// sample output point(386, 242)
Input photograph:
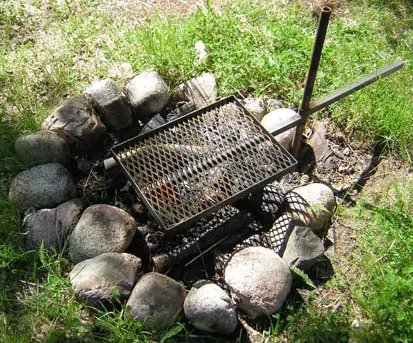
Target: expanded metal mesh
point(190, 167)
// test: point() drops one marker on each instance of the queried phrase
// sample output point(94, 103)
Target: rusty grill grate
point(194, 165)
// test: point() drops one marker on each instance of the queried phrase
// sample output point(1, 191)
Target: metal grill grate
point(190, 167)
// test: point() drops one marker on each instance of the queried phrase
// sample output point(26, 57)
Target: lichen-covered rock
point(42, 147)
point(209, 308)
point(101, 228)
point(156, 301)
point(303, 248)
point(147, 93)
point(52, 226)
point(105, 279)
point(313, 205)
point(77, 122)
point(111, 104)
point(42, 186)
point(259, 281)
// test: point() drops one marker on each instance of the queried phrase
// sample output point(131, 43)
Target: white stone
point(274, 120)
point(200, 51)
point(209, 308)
point(259, 281)
point(199, 91)
point(148, 93)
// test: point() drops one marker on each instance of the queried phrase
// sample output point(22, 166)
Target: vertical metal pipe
point(311, 75)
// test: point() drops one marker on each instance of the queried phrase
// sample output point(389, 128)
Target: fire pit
point(189, 168)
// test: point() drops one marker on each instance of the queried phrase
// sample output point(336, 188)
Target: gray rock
point(259, 281)
point(318, 140)
point(198, 91)
point(42, 186)
point(274, 120)
point(76, 121)
point(100, 229)
point(303, 247)
point(52, 226)
point(97, 281)
point(255, 106)
point(147, 93)
point(42, 147)
point(313, 205)
point(156, 301)
point(111, 104)
point(210, 309)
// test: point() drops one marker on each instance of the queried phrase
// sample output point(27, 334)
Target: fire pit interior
point(194, 165)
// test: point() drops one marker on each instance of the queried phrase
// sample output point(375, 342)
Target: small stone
point(105, 279)
point(156, 301)
point(111, 104)
point(201, 52)
point(76, 121)
point(101, 228)
point(209, 308)
point(198, 91)
point(147, 93)
point(303, 248)
point(255, 107)
point(313, 205)
point(52, 226)
point(275, 120)
point(42, 186)
point(42, 147)
point(259, 281)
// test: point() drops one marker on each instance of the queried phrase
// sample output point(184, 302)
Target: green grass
point(49, 52)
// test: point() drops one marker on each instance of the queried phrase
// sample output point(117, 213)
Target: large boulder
point(42, 186)
point(209, 308)
point(111, 104)
point(259, 281)
point(77, 122)
point(105, 279)
point(148, 93)
point(42, 147)
point(303, 248)
point(313, 205)
point(101, 228)
point(52, 226)
point(156, 301)
point(199, 91)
